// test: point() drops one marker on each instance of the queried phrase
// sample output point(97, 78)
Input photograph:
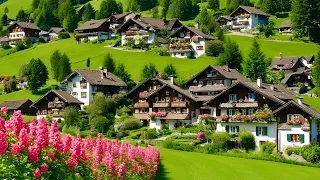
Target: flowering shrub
point(161, 114)
point(201, 135)
point(224, 117)
point(264, 115)
point(294, 122)
point(32, 150)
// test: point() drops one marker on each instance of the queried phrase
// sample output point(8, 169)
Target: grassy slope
point(314, 102)
point(189, 165)
point(14, 6)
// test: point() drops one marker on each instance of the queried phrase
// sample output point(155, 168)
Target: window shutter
point(237, 127)
point(265, 130)
point(302, 138)
point(257, 131)
point(288, 137)
point(227, 129)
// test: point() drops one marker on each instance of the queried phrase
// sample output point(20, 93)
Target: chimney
point(281, 54)
point(101, 72)
point(105, 71)
point(300, 100)
point(272, 87)
point(259, 82)
point(172, 79)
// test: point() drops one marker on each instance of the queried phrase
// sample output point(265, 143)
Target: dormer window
point(167, 93)
point(200, 83)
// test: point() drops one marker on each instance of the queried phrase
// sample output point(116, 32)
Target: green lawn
point(314, 102)
point(273, 48)
point(14, 6)
point(189, 165)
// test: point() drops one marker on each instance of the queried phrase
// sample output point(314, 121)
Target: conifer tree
point(109, 63)
point(65, 67)
point(88, 13)
point(55, 62)
point(316, 72)
point(231, 55)
point(170, 69)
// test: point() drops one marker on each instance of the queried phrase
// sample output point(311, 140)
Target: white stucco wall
point(194, 45)
point(272, 130)
point(76, 79)
point(283, 142)
point(155, 124)
point(179, 55)
point(152, 37)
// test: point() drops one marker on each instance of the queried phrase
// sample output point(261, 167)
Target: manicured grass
point(14, 6)
point(273, 48)
point(188, 165)
point(314, 102)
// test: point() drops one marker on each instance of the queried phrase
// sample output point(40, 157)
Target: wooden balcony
point(141, 105)
point(179, 104)
point(161, 104)
point(144, 94)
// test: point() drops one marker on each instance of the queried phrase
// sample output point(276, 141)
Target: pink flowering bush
point(201, 135)
point(36, 151)
point(161, 114)
point(294, 122)
point(224, 117)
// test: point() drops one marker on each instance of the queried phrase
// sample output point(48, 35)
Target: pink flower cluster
point(161, 114)
point(294, 122)
point(224, 117)
point(103, 159)
point(3, 110)
point(201, 135)
point(204, 116)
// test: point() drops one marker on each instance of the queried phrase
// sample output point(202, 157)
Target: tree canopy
point(37, 75)
point(316, 72)
point(109, 63)
point(231, 55)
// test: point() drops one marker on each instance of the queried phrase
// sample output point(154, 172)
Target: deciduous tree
point(64, 67)
point(55, 62)
point(37, 75)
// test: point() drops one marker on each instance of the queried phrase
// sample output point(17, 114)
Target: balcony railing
point(144, 94)
point(141, 105)
point(179, 104)
point(55, 104)
point(161, 104)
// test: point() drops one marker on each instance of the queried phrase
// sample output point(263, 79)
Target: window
point(262, 131)
point(193, 114)
point(162, 110)
point(232, 129)
point(44, 112)
point(182, 34)
point(232, 112)
point(182, 54)
point(252, 97)
point(232, 97)
point(199, 47)
point(167, 93)
point(167, 99)
point(185, 110)
point(219, 82)
point(200, 83)
point(180, 97)
point(243, 111)
point(142, 110)
point(136, 110)
point(75, 94)
point(83, 94)
point(293, 116)
point(156, 98)
point(178, 110)
point(250, 111)
point(209, 83)
point(297, 77)
point(295, 138)
point(74, 85)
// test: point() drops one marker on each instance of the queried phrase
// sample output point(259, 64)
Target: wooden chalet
point(94, 30)
point(19, 105)
point(20, 30)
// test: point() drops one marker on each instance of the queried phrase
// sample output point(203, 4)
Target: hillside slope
point(14, 6)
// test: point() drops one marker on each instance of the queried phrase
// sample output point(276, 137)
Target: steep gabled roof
point(224, 70)
point(304, 107)
point(279, 95)
point(285, 60)
point(64, 95)
point(224, 17)
point(92, 24)
point(194, 30)
point(285, 24)
point(119, 16)
point(26, 25)
point(159, 23)
point(14, 104)
point(251, 10)
point(56, 30)
point(94, 78)
point(290, 73)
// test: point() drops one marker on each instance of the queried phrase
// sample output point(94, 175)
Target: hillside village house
point(44, 35)
point(4, 40)
point(295, 69)
point(83, 84)
point(19, 105)
point(117, 20)
point(54, 32)
point(146, 28)
point(188, 42)
point(245, 18)
point(94, 30)
point(285, 28)
point(180, 106)
point(53, 103)
point(20, 30)
point(225, 21)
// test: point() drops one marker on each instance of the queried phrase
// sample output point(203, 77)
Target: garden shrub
point(213, 148)
point(72, 130)
point(121, 134)
point(101, 124)
point(150, 134)
point(247, 140)
point(267, 147)
point(214, 48)
point(131, 125)
point(170, 144)
point(63, 35)
point(6, 46)
point(71, 116)
point(111, 133)
point(27, 43)
point(311, 152)
point(85, 40)
point(95, 41)
point(221, 139)
point(41, 40)
point(125, 110)
point(84, 124)
point(293, 150)
point(20, 46)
